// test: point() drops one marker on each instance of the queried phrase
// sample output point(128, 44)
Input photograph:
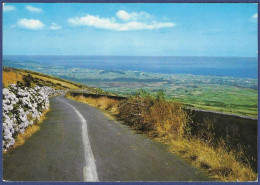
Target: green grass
point(226, 99)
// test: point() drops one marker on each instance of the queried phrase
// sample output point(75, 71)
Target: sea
point(241, 67)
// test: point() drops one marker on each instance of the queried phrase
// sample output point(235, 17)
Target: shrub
point(27, 80)
point(154, 115)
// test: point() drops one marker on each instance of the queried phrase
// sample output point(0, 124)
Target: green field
point(221, 98)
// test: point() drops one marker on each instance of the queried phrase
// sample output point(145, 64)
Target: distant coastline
point(240, 67)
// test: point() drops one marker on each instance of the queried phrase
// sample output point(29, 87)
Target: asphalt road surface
point(79, 143)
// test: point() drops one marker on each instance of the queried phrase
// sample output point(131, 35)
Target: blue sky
point(200, 29)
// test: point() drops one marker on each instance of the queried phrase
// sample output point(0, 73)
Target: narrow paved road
point(78, 143)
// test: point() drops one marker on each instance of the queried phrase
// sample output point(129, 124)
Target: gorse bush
point(154, 115)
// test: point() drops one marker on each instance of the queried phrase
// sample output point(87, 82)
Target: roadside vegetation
point(30, 130)
point(25, 103)
point(167, 122)
point(22, 108)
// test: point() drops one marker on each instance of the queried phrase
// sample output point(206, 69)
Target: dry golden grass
point(14, 75)
point(32, 129)
point(154, 116)
point(217, 162)
point(167, 122)
point(102, 103)
point(66, 84)
point(11, 77)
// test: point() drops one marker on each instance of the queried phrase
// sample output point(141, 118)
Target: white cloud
point(8, 8)
point(122, 14)
point(32, 24)
point(255, 15)
point(55, 26)
point(33, 9)
point(112, 24)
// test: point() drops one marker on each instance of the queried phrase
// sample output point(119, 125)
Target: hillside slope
point(14, 76)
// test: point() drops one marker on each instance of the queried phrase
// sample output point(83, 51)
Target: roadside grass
point(103, 103)
point(220, 164)
point(168, 123)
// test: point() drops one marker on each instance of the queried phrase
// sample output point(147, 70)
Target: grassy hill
point(32, 78)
